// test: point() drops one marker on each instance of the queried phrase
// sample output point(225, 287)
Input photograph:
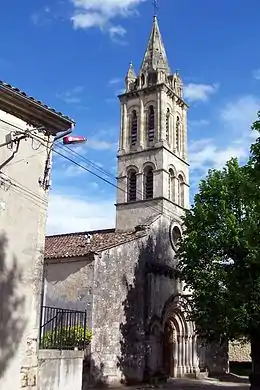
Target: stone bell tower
point(152, 157)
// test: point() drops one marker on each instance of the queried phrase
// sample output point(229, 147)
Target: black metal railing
point(63, 328)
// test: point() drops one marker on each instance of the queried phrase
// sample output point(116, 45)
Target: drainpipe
point(46, 182)
point(67, 132)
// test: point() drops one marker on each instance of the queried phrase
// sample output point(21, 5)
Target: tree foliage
point(219, 252)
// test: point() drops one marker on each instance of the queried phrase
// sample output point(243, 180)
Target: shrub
point(66, 337)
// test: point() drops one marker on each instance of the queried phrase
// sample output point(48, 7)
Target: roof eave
point(33, 112)
point(89, 257)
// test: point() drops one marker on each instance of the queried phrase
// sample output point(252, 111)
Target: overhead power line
point(168, 212)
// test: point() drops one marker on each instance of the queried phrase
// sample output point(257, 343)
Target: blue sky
point(73, 55)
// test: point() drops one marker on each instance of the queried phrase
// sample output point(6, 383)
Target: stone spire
point(130, 78)
point(155, 57)
point(131, 72)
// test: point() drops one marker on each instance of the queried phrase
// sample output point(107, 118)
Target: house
point(27, 131)
point(125, 277)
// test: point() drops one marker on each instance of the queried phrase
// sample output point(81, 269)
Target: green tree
point(220, 255)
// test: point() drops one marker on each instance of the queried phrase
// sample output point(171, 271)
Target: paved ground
point(208, 384)
point(230, 382)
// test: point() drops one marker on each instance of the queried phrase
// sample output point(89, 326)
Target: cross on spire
point(155, 8)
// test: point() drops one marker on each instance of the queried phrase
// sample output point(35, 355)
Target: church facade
point(125, 277)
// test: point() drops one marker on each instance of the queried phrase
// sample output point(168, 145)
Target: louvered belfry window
point(171, 187)
point(149, 183)
point(151, 124)
point(181, 190)
point(133, 127)
point(131, 186)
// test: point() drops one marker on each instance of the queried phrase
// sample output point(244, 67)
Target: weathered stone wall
point(124, 301)
point(213, 358)
point(23, 211)
point(60, 370)
point(239, 352)
point(68, 284)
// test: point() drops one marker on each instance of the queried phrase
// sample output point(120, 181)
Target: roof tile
point(84, 243)
point(24, 94)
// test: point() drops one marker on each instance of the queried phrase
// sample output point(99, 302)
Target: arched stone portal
point(179, 339)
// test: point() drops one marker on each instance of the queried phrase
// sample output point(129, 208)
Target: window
point(131, 186)
point(152, 78)
point(181, 191)
point(142, 80)
point(148, 183)
point(150, 124)
point(167, 125)
point(171, 187)
point(175, 236)
point(133, 127)
point(177, 134)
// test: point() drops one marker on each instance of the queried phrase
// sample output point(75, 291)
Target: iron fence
point(63, 328)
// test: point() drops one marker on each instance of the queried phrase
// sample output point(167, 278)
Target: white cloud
point(115, 31)
point(87, 20)
point(72, 171)
point(239, 115)
point(256, 74)
point(71, 213)
point(115, 80)
point(72, 96)
point(199, 123)
point(97, 144)
point(205, 154)
point(233, 138)
point(199, 92)
point(100, 13)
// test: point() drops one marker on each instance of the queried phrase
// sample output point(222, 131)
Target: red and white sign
point(69, 139)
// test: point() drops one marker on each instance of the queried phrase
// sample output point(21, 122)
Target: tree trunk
point(255, 355)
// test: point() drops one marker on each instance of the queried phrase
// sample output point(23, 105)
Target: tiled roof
point(35, 101)
point(79, 244)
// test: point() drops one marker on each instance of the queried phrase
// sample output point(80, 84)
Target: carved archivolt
point(176, 312)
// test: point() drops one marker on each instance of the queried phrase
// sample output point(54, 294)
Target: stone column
point(176, 190)
point(173, 125)
point(162, 135)
point(125, 128)
point(184, 136)
point(141, 127)
point(190, 356)
point(121, 126)
point(187, 368)
point(139, 186)
point(194, 355)
point(183, 354)
point(122, 192)
point(175, 354)
point(158, 117)
point(179, 355)
point(171, 131)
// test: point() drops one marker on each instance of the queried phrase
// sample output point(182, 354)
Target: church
point(125, 277)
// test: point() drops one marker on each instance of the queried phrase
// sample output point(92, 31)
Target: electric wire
point(91, 163)
point(10, 182)
point(158, 211)
point(85, 168)
point(109, 174)
point(112, 184)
